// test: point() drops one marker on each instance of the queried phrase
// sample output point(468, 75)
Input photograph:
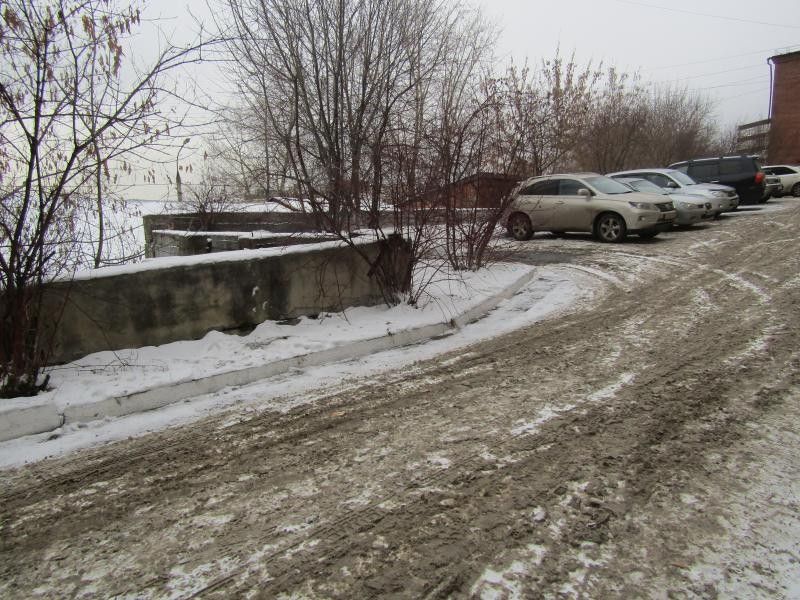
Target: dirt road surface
point(643, 445)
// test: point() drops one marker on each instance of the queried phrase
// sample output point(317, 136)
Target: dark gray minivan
point(741, 172)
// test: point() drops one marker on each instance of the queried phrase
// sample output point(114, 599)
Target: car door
point(571, 211)
point(538, 201)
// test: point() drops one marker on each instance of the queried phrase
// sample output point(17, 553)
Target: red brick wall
point(784, 146)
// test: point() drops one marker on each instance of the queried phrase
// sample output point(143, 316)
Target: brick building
point(784, 134)
point(480, 190)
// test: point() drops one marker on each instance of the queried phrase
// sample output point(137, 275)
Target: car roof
point(576, 174)
point(636, 171)
point(580, 175)
point(711, 158)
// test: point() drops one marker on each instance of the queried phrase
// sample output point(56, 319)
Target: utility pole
point(178, 172)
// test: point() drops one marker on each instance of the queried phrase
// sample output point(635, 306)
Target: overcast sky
point(719, 47)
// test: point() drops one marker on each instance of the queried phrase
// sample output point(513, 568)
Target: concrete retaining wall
point(281, 222)
point(275, 222)
point(160, 305)
point(188, 243)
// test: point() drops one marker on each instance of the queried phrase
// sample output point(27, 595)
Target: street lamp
point(178, 171)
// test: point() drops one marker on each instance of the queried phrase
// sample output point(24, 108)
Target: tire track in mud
point(370, 517)
point(442, 528)
point(371, 513)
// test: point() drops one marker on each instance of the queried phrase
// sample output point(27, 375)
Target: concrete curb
point(18, 421)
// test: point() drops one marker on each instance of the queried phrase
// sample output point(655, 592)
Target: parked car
point(740, 172)
point(587, 202)
point(772, 187)
point(789, 176)
point(722, 197)
point(690, 209)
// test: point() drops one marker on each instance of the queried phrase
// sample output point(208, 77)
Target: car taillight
point(759, 177)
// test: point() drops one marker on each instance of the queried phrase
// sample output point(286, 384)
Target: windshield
point(642, 185)
point(681, 178)
point(606, 185)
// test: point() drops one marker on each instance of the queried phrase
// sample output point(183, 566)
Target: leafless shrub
point(66, 112)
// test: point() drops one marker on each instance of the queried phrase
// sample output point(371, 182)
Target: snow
point(168, 262)
point(257, 235)
point(104, 375)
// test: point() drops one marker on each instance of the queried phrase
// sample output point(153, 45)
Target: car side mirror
point(585, 193)
point(671, 185)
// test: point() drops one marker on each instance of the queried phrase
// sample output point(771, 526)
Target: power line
point(760, 79)
point(699, 14)
point(701, 62)
point(763, 90)
point(760, 65)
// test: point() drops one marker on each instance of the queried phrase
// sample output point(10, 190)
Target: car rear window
point(732, 166)
point(778, 170)
point(704, 170)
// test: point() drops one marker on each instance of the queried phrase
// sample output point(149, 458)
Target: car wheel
point(796, 190)
point(609, 227)
point(520, 226)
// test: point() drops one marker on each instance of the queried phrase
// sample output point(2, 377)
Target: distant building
point(784, 134)
point(480, 190)
point(753, 138)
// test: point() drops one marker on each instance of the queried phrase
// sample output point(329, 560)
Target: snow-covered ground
point(105, 375)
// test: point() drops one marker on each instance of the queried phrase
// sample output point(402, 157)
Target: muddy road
point(645, 444)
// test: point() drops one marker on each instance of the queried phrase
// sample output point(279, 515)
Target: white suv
point(586, 202)
point(789, 176)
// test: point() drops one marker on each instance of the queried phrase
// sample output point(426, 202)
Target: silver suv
point(723, 198)
point(586, 202)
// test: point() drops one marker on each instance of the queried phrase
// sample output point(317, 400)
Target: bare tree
point(679, 125)
point(726, 141)
point(209, 197)
point(66, 112)
point(615, 126)
point(347, 88)
point(547, 109)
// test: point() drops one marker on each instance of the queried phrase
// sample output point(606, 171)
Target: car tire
point(796, 190)
point(610, 228)
point(519, 226)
